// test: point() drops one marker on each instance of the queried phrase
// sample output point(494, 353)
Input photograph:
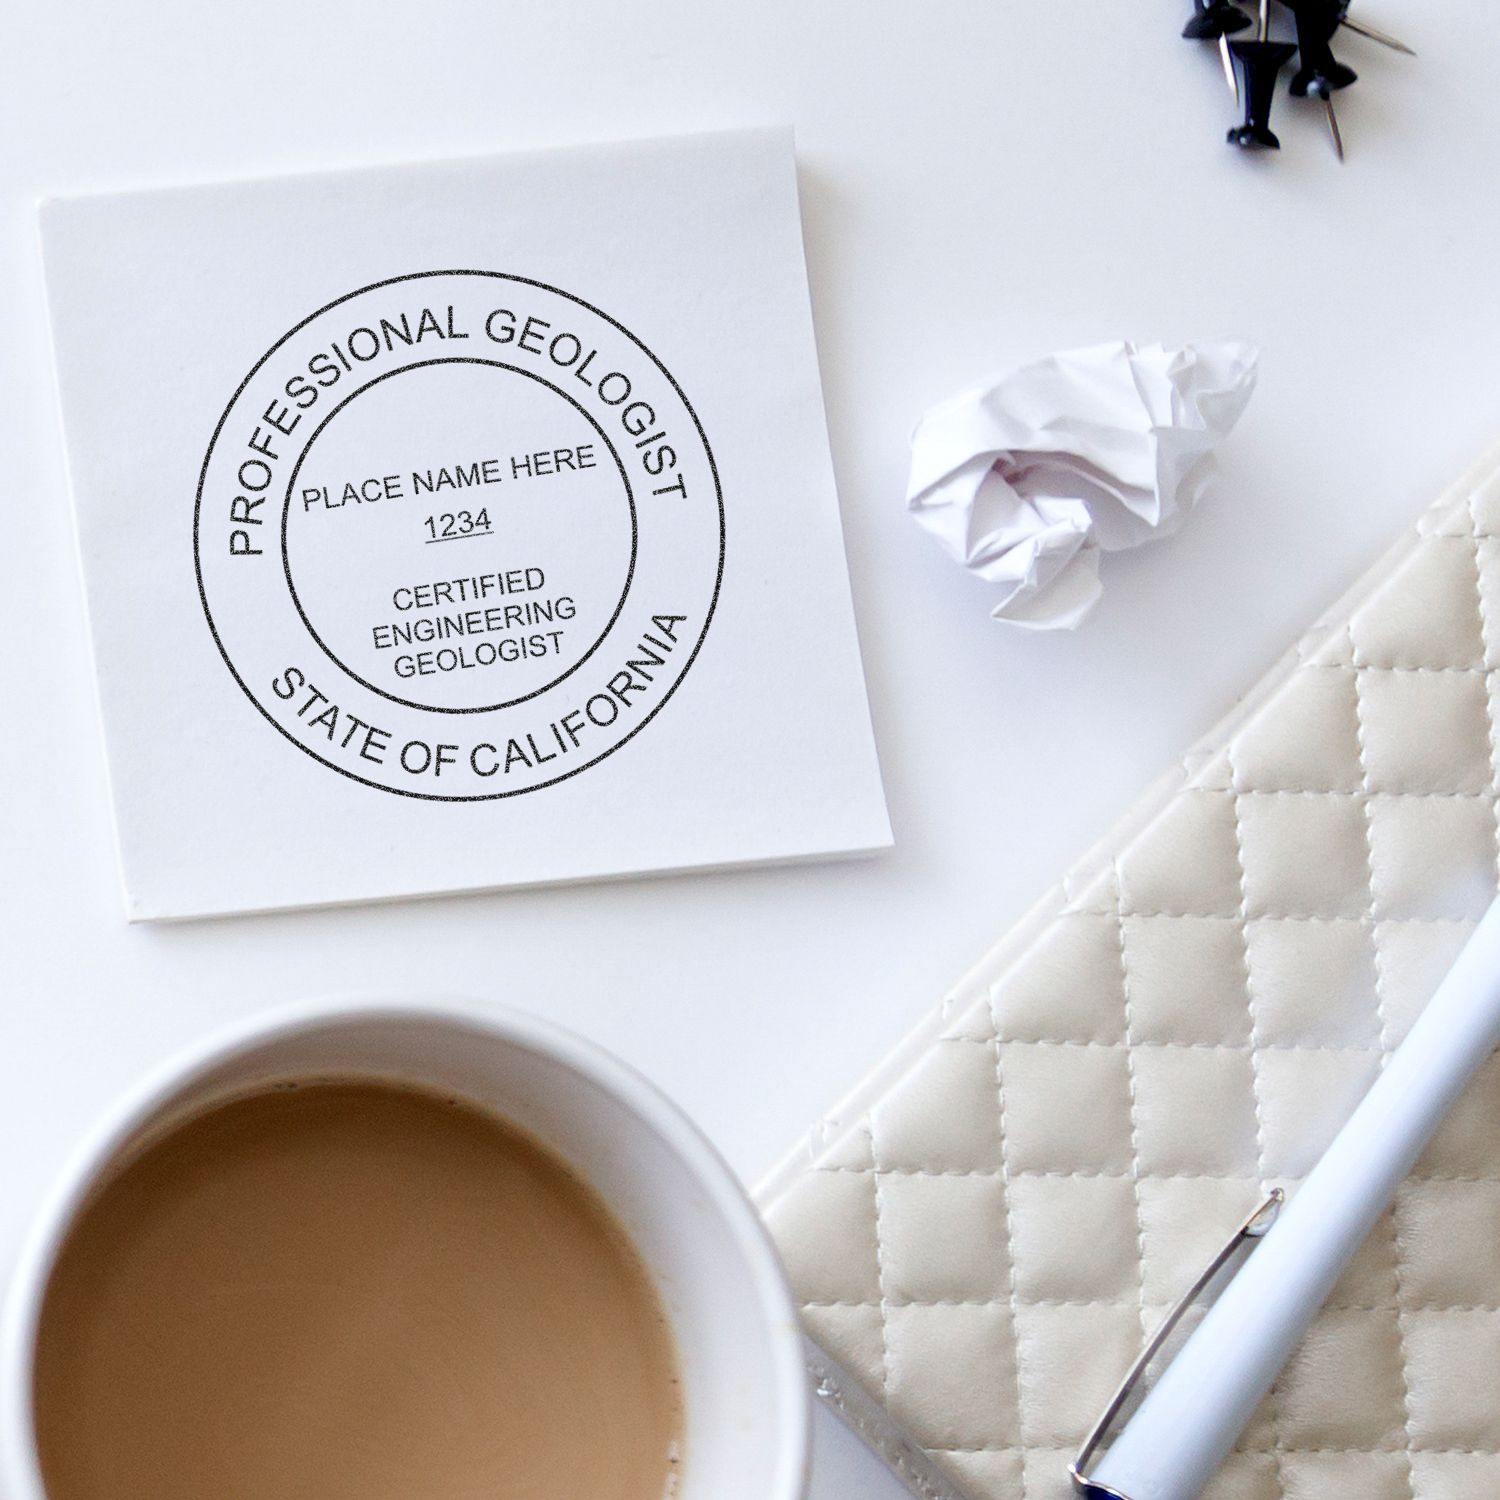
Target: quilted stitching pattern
point(985, 1235)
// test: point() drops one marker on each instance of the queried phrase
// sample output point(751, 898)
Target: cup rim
point(114, 1126)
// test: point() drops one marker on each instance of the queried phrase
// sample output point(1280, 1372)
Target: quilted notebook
point(985, 1231)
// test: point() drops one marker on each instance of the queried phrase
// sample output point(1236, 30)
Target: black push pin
point(1261, 62)
point(1217, 21)
point(1321, 74)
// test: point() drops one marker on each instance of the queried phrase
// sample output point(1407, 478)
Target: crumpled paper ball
point(1027, 479)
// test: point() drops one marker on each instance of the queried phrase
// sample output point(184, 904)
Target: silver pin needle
point(1383, 37)
point(1229, 73)
point(1265, 20)
point(1333, 126)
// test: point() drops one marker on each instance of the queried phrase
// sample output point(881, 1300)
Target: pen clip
point(1255, 1224)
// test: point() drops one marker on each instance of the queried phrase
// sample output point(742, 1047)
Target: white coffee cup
point(746, 1394)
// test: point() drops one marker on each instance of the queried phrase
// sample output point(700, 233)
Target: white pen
point(1189, 1420)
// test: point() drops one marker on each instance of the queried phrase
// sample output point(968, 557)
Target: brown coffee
point(348, 1291)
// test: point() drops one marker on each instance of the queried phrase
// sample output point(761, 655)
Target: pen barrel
point(1189, 1420)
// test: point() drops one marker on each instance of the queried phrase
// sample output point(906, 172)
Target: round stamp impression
point(459, 535)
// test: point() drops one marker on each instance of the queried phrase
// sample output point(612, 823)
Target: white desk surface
point(983, 181)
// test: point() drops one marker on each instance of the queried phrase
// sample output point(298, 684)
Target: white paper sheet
point(434, 523)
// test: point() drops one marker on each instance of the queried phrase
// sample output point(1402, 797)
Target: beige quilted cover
point(983, 1232)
